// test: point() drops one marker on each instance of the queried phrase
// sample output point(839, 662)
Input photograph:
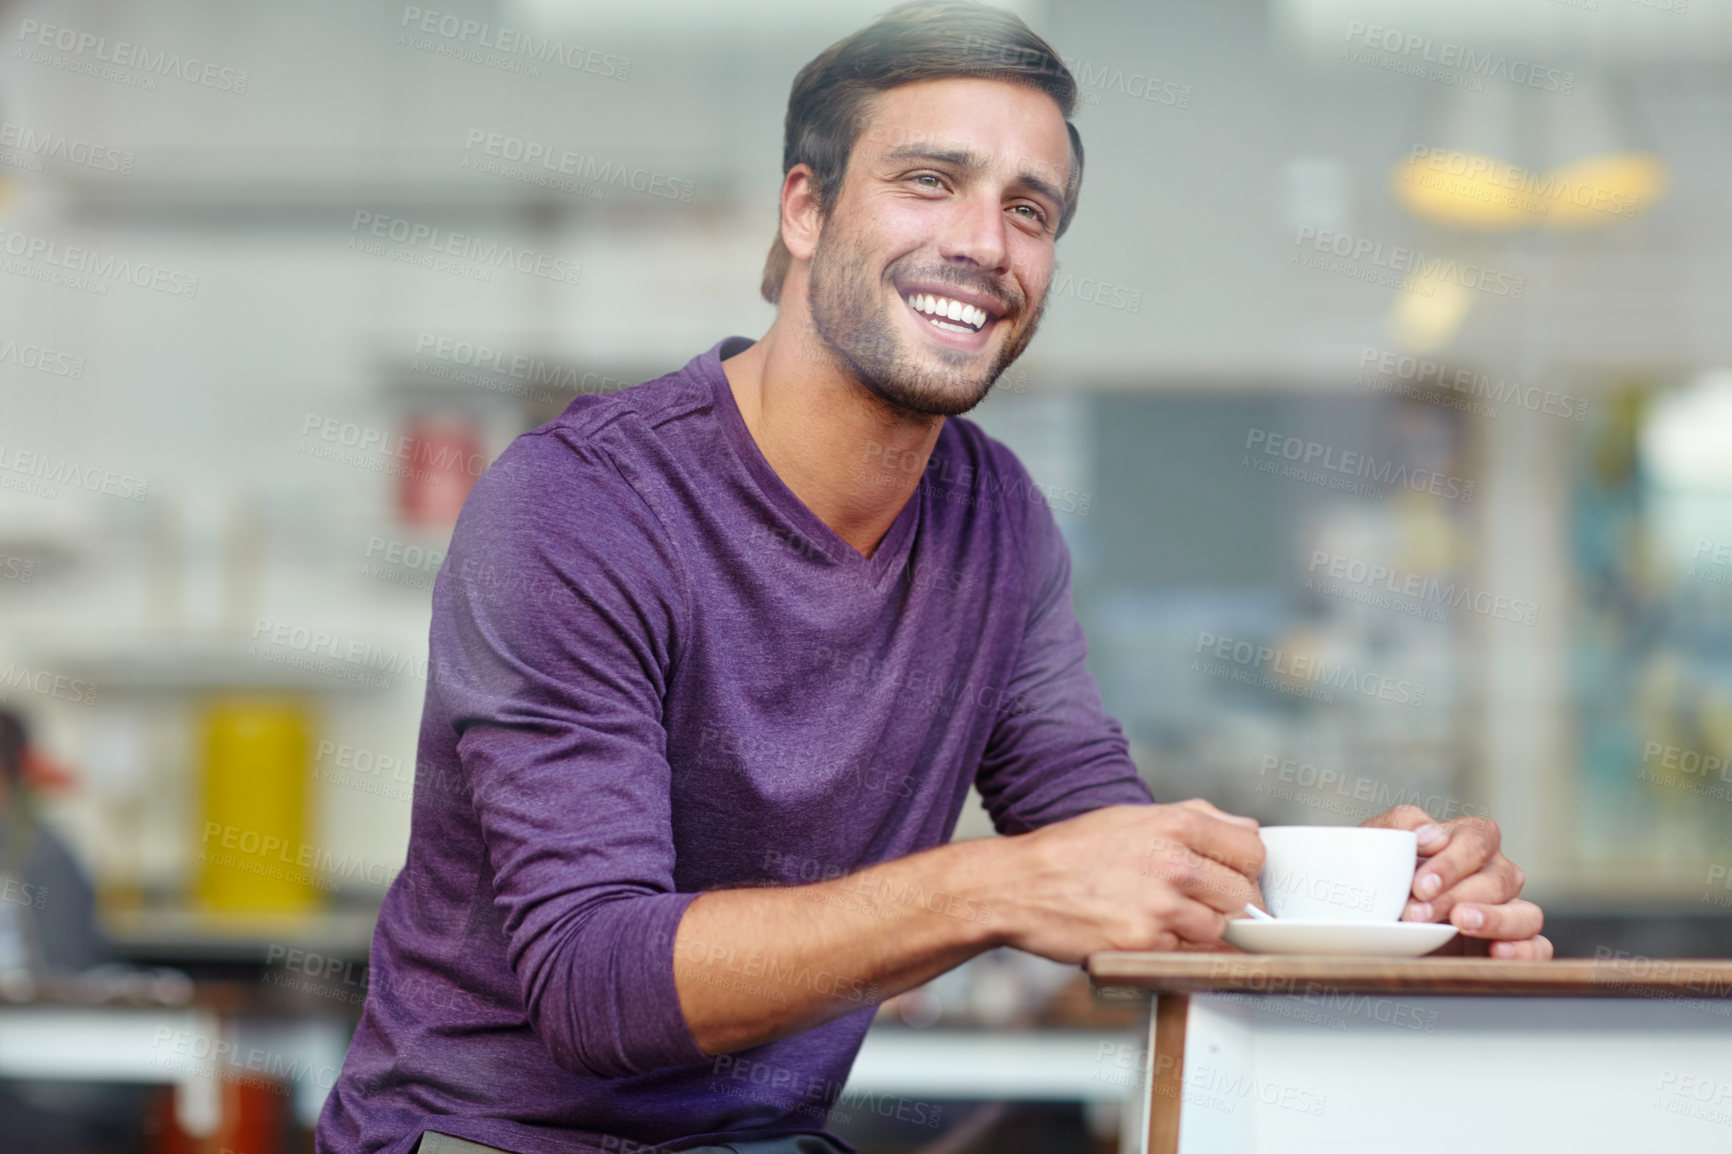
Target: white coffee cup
point(1331, 873)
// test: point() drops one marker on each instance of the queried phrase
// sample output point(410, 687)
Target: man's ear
point(801, 220)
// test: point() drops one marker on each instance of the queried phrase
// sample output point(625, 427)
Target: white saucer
point(1338, 939)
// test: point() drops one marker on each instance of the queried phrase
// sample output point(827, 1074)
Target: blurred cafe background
point(1384, 396)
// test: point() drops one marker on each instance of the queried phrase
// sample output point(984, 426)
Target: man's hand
point(1129, 877)
point(1464, 879)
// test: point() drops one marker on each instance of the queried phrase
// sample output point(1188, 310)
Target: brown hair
point(828, 103)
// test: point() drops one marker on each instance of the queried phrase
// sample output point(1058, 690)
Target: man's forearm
point(754, 965)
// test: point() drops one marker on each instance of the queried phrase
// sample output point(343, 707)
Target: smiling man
point(715, 660)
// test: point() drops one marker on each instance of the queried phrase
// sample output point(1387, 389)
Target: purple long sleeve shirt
point(654, 672)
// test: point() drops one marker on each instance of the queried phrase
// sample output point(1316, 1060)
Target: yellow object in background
point(1430, 307)
point(254, 855)
point(1484, 194)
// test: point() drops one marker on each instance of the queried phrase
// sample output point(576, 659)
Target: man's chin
point(921, 399)
point(912, 378)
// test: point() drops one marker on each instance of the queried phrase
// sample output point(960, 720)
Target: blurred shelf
point(203, 935)
point(116, 985)
point(192, 665)
point(323, 188)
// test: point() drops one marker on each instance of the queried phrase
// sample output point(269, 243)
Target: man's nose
point(975, 234)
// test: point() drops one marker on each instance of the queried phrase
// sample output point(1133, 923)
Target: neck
point(851, 458)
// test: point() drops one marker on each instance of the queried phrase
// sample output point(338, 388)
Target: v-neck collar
point(892, 551)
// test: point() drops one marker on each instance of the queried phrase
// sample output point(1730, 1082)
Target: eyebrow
point(973, 162)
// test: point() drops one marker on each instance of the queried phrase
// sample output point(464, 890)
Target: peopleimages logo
point(1420, 587)
point(47, 683)
point(82, 263)
point(41, 472)
point(309, 644)
point(1330, 891)
point(1376, 796)
point(31, 146)
point(400, 563)
point(383, 448)
point(1465, 174)
point(437, 242)
point(1422, 372)
point(1305, 668)
point(40, 359)
point(1422, 50)
point(1397, 259)
point(487, 367)
point(553, 159)
point(461, 32)
point(124, 54)
point(1091, 79)
point(1676, 768)
point(1712, 561)
point(1204, 1087)
point(884, 891)
point(767, 967)
point(299, 862)
point(1354, 467)
point(1091, 291)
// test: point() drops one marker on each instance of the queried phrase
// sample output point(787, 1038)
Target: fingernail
point(1428, 885)
point(1502, 950)
point(1470, 919)
point(1430, 834)
point(1419, 911)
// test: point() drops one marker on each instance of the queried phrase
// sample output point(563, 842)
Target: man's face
point(932, 265)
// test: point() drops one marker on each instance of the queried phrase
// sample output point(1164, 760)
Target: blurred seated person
point(48, 926)
point(47, 903)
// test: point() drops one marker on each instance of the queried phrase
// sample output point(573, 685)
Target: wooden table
point(1311, 1055)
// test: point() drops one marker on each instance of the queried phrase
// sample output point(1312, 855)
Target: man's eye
point(937, 182)
point(1034, 213)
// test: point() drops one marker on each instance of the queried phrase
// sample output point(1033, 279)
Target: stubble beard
point(851, 319)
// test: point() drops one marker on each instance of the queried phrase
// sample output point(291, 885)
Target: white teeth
point(940, 308)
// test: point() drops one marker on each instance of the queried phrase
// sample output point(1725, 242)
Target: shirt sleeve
point(1054, 752)
point(556, 623)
